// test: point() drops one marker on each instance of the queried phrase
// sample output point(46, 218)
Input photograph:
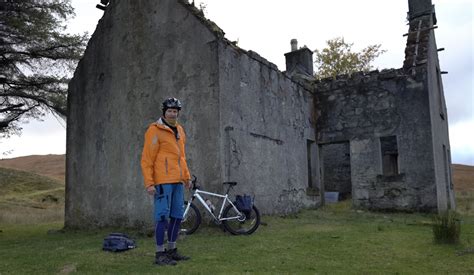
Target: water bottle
point(211, 206)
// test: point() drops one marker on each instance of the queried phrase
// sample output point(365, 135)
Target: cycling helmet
point(171, 103)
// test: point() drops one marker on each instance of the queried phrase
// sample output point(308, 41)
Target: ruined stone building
point(378, 138)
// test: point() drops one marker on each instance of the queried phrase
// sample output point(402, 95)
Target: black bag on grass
point(117, 242)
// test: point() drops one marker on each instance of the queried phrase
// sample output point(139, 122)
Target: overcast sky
point(267, 26)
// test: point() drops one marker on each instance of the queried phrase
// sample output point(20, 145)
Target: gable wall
point(141, 53)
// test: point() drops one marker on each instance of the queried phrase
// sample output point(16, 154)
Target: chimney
point(299, 60)
point(422, 18)
point(294, 45)
point(417, 8)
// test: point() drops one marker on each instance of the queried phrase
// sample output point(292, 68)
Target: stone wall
point(336, 163)
point(265, 126)
point(364, 108)
point(245, 121)
point(422, 59)
point(439, 125)
point(140, 53)
point(248, 122)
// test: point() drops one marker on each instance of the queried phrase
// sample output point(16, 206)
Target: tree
point(36, 60)
point(337, 58)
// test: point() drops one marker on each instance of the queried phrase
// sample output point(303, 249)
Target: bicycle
point(234, 221)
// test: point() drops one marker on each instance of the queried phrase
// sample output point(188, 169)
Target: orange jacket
point(164, 157)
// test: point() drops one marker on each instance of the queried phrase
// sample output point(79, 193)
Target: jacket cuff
point(148, 184)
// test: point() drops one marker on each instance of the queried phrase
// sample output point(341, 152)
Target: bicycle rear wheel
point(243, 225)
point(191, 220)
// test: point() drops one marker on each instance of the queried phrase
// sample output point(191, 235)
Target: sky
point(267, 26)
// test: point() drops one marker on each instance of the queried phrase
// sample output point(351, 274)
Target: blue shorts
point(169, 201)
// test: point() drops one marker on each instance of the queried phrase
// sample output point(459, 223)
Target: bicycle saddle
point(233, 183)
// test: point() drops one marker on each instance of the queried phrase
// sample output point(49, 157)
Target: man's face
point(171, 114)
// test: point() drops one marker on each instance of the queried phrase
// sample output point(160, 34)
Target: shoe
point(162, 258)
point(174, 255)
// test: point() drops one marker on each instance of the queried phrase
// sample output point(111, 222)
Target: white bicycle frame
point(225, 198)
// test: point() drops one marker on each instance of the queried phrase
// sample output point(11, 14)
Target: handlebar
point(194, 185)
point(194, 180)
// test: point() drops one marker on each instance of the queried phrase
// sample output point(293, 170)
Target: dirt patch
point(70, 268)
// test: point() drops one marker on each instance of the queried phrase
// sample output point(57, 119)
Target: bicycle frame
point(225, 198)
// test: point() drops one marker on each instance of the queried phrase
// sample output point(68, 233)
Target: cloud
point(86, 16)
point(459, 97)
point(461, 137)
point(268, 26)
point(455, 34)
point(38, 138)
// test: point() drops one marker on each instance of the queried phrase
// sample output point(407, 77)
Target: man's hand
point(188, 184)
point(151, 190)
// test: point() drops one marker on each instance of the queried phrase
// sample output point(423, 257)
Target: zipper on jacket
point(179, 160)
point(179, 155)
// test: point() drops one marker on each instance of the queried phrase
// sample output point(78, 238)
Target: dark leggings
point(173, 230)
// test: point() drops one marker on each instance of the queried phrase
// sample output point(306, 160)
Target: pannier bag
point(117, 242)
point(244, 203)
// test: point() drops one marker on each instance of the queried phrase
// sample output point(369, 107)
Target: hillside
point(52, 166)
point(22, 184)
point(463, 177)
point(32, 188)
point(28, 198)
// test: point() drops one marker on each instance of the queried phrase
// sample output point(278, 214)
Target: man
point(165, 171)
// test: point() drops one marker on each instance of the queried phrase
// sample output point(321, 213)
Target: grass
point(330, 240)
point(27, 198)
point(465, 202)
point(447, 227)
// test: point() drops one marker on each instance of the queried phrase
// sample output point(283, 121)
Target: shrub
point(447, 227)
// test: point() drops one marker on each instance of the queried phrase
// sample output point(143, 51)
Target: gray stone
point(236, 112)
point(409, 106)
point(284, 137)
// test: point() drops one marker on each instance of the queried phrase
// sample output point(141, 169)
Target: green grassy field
point(29, 198)
point(330, 240)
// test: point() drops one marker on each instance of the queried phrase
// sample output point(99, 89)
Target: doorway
point(336, 169)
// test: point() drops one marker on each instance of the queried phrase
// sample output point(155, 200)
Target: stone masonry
point(395, 123)
point(379, 138)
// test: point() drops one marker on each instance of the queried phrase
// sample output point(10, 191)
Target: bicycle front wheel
point(243, 224)
point(191, 219)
